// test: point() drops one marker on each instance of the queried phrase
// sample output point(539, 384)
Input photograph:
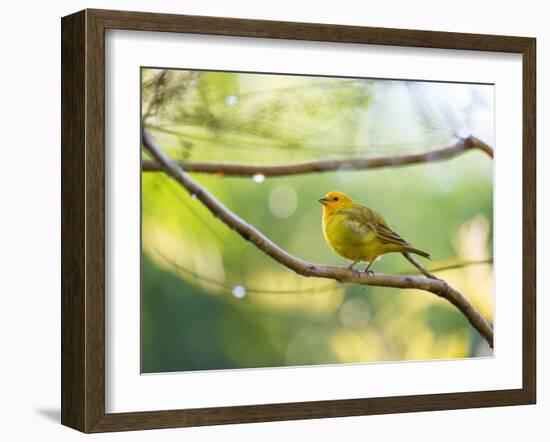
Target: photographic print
point(297, 220)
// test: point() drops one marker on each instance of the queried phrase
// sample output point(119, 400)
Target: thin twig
point(304, 268)
point(359, 163)
point(228, 285)
point(419, 266)
point(157, 83)
point(461, 265)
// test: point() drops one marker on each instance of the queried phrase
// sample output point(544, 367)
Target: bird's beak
point(323, 201)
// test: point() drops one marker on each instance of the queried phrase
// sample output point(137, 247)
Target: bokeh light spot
point(231, 100)
point(239, 292)
point(283, 201)
point(355, 314)
point(258, 178)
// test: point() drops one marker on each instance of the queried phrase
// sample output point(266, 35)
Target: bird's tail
point(419, 252)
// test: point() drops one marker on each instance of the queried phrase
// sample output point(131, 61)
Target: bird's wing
point(384, 232)
point(366, 220)
point(357, 221)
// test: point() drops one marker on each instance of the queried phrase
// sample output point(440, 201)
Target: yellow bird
point(358, 233)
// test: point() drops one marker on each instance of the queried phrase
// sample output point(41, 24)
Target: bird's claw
point(350, 267)
point(369, 272)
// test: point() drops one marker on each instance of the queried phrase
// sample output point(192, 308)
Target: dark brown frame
point(83, 217)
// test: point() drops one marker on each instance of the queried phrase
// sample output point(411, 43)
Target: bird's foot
point(350, 267)
point(368, 271)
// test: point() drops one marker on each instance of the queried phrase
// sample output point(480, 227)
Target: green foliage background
point(191, 263)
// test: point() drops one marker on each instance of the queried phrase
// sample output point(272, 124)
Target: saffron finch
point(358, 233)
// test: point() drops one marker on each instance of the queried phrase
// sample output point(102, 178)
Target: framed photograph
point(269, 220)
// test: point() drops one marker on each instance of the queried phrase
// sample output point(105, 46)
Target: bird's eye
point(335, 198)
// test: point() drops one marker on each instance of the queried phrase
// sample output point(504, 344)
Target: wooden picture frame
point(83, 220)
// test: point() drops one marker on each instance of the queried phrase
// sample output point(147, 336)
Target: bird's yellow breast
point(348, 238)
point(353, 237)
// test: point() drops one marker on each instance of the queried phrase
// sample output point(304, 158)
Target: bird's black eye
point(335, 198)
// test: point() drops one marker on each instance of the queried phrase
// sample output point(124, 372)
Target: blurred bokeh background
point(211, 300)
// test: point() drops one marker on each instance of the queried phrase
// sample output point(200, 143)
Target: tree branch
point(304, 268)
point(359, 163)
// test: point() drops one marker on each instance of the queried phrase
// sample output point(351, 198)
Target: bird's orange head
point(334, 201)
